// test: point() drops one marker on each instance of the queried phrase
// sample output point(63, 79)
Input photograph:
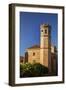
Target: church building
point(45, 53)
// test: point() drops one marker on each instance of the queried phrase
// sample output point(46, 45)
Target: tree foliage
point(32, 70)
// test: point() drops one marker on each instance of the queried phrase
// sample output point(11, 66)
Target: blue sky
point(30, 28)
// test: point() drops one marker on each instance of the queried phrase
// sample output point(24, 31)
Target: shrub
point(26, 70)
point(32, 70)
point(39, 70)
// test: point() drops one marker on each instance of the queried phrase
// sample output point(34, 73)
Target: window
point(41, 30)
point(45, 31)
point(33, 54)
point(34, 61)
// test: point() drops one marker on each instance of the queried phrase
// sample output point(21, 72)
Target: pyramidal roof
point(34, 47)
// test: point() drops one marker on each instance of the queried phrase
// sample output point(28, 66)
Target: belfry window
point(45, 31)
point(41, 30)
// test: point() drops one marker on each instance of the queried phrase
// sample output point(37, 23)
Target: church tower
point(45, 45)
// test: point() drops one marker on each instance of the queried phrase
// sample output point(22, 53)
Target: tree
point(32, 70)
point(39, 70)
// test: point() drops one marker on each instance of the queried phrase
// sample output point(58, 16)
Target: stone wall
point(33, 55)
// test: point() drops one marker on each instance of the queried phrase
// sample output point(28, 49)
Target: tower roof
point(44, 25)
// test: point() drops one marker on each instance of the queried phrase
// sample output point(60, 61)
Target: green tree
point(32, 70)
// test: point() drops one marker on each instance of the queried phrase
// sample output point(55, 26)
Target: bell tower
point(45, 45)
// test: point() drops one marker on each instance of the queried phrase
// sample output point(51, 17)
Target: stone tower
point(45, 45)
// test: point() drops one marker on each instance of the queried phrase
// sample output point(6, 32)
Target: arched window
point(45, 31)
point(41, 30)
point(33, 54)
